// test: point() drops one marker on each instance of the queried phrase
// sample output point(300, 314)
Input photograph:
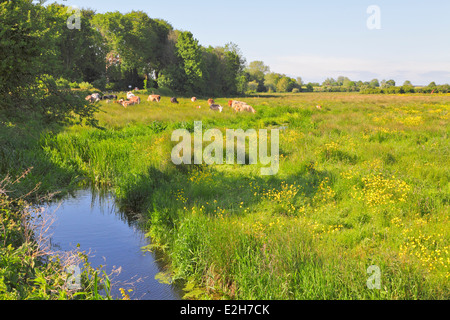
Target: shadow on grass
point(184, 186)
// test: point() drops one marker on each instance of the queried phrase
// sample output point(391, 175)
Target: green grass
point(363, 181)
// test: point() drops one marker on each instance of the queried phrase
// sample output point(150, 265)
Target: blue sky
point(316, 39)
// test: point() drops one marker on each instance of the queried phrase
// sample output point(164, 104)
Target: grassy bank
point(363, 181)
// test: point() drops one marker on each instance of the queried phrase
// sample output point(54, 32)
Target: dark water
point(112, 239)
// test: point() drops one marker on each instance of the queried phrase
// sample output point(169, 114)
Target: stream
point(113, 240)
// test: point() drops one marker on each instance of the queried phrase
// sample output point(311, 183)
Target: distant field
point(364, 181)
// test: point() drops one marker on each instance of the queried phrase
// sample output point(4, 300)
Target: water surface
point(113, 239)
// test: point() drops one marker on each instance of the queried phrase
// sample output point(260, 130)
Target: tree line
point(262, 80)
point(344, 84)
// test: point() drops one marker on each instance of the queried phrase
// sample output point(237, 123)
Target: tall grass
point(363, 181)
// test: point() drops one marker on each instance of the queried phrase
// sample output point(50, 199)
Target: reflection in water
point(113, 239)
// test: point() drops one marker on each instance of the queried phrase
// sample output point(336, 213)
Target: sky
point(316, 40)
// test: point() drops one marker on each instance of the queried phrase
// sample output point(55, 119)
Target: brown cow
point(127, 103)
point(210, 101)
point(120, 101)
point(246, 107)
point(135, 99)
point(240, 106)
point(193, 99)
point(234, 104)
point(131, 102)
point(154, 97)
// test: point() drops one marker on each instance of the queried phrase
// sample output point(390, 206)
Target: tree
point(374, 83)
point(134, 39)
point(407, 83)
point(408, 87)
point(252, 86)
point(341, 79)
point(309, 87)
point(285, 84)
point(349, 85)
point(164, 47)
point(256, 71)
point(390, 83)
point(214, 70)
point(234, 63)
point(190, 54)
point(21, 46)
point(74, 54)
point(27, 40)
point(329, 82)
point(271, 80)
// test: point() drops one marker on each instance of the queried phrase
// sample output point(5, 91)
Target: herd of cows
point(132, 99)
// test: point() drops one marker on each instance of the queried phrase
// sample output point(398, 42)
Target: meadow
point(362, 182)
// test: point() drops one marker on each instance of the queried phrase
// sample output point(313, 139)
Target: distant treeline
point(344, 84)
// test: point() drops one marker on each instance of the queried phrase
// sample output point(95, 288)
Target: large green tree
point(21, 46)
point(234, 80)
point(27, 47)
point(74, 54)
point(190, 54)
point(136, 40)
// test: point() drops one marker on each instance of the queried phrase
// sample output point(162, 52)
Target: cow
point(95, 97)
point(173, 100)
point(135, 99)
point(211, 101)
point(216, 107)
point(246, 107)
point(110, 97)
point(240, 106)
point(234, 104)
point(319, 107)
point(126, 103)
point(193, 99)
point(154, 97)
